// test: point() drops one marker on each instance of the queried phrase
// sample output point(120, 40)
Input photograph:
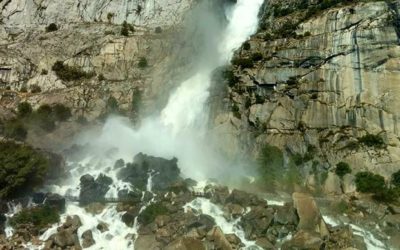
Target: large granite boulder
point(163, 172)
point(310, 218)
point(93, 190)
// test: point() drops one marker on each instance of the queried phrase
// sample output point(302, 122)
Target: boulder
point(134, 196)
point(186, 243)
point(65, 238)
point(38, 197)
point(164, 172)
point(256, 222)
point(55, 201)
point(242, 198)
point(72, 223)
point(102, 227)
point(309, 215)
point(203, 222)
point(342, 237)
point(264, 243)
point(147, 242)
point(87, 239)
point(218, 237)
point(93, 190)
point(95, 208)
point(219, 194)
point(304, 240)
point(332, 184)
point(286, 215)
point(349, 184)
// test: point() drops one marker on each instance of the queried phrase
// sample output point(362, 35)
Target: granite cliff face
point(316, 78)
point(119, 51)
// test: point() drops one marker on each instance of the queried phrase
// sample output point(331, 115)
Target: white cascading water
point(178, 132)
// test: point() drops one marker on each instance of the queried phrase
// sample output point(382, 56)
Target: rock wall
point(25, 14)
point(320, 80)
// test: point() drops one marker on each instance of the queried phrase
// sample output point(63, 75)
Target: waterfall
point(177, 132)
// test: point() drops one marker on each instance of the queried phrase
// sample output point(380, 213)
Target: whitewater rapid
point(177, 132)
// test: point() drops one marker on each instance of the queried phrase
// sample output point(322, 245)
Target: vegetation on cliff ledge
point(69, 73)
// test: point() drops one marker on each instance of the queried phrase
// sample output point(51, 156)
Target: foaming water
point(205, 206)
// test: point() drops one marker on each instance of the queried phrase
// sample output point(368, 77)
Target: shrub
point(372, 141)
point(40, 217)
point(246, 46)
point(101, 77)
point(24, 109)
point(386, 195)
point(151, 212)
point(68, 73)
point(110, 16)
point(342, 168)
point(15, 130)
point(243, 62)
point(52, 27)
point(396, 179)
point(35, 89)
point(44, 72)
point(230, 77)
point(61, 112)
point(23, 90)
point(124, 29)
point(367, 182)
point(158, 30)
point(44, 118)
point(22, 169)
point(256, 56)
point(143, 63)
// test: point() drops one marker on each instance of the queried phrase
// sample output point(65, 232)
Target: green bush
point(367, 182)
point(125, 29)
point(24, 109)
point(342, 168)
point(101, 77)
point(44, 118)
point(372, 141)
point(22, 169)
point(386, 195)
point(35, 89)
point(257, 56)
point(52, 27)
point(229, 77)
point(61, 112)
point(158, 30)
point(40, 217)
point(243, 62)
point(396, 179)
point(151, 212)
point(143, 63)
point(246, 46)
point(15, 130)
point(68, 73)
